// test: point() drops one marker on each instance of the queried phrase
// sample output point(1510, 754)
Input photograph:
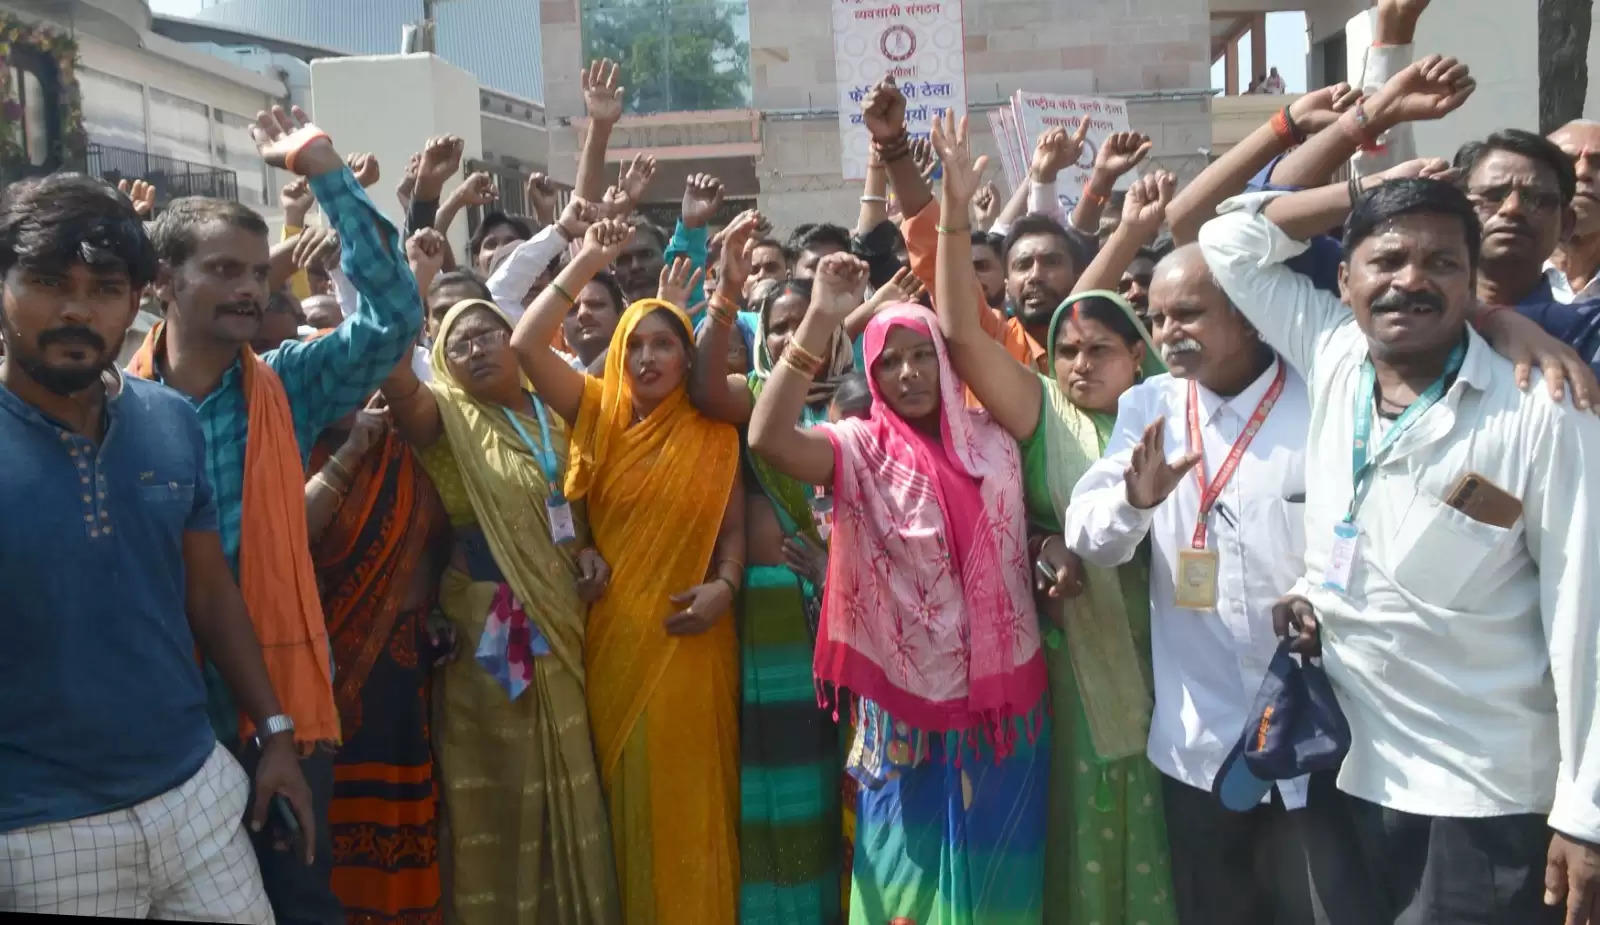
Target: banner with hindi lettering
point(1036, 112)
point(920, 42)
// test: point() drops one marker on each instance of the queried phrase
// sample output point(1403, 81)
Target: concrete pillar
point(390, 105)
point(1230, 68)
point(1258, 45)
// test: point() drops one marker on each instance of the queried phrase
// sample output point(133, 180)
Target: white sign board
point(920, 42)
point(1036, 112)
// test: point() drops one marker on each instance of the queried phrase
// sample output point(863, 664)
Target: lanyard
point(546, 455)
point(1210, 493)
point(1362, 466)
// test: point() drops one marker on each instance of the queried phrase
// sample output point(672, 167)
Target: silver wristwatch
point(271, 726)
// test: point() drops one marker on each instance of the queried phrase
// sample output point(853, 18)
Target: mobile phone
point(1045, 574)
point(283, 815)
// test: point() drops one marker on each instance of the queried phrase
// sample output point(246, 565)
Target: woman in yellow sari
point(666, 506)
point(526, 816)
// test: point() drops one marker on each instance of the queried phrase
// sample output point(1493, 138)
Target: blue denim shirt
point(1577, 324)
point(104, 703)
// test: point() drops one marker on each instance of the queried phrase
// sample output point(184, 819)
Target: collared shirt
point(1577, 324)
point(1207, 665)
point(1561, 287)
point(329, 377)
point(104, 705)
point(1464, 653)
point(325, 379)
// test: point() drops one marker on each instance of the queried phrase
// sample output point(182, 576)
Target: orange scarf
point(276, 575)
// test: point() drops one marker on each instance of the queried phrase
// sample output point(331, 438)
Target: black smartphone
point(283, 816)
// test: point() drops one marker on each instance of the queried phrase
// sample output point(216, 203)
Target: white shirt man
point(1463, 650)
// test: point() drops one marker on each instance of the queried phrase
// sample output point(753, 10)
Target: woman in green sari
point(1106, 850)
point(527, 819)
point(789, 747)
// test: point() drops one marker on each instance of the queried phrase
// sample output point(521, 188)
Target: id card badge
point(1342, 557)
point(561, 528)
point(1197, 579)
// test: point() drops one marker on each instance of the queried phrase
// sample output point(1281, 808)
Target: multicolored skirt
point(789, 763)
point(956, 839)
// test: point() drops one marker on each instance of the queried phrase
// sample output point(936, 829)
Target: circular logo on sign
point(898, 43)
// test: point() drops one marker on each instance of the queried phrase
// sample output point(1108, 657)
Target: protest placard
point(1036, 112)
point(919, 42)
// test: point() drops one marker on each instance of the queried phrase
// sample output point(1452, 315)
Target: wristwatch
point(271, 726)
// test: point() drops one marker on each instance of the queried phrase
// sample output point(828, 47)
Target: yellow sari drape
point(663, 709)
point(527, 815)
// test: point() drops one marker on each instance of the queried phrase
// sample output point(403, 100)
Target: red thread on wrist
point(313, 135)
point(1280, 128)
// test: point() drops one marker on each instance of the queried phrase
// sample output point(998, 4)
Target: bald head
point(1200, 334)
point(1580, 140)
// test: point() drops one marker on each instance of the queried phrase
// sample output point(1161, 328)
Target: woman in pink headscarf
point(928, 634)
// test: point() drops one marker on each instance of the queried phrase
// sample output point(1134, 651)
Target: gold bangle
point(343, 473)
point(327, 483)
point(799, 364)
point(562, 291)
point(962, 230)
point(804, 354)
point(721, 310)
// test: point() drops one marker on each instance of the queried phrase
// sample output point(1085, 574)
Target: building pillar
point(1258, 46)
point(1230, 68)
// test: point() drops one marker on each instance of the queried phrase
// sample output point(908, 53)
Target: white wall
point(162, 73)
point(389, 105)
point(1499, 42)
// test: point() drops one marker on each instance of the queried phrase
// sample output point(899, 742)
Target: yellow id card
point(1197, 579)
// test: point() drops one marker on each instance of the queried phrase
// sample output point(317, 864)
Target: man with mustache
point(1522, 187)
point(261, 416)
point(1452, 520)
point(1237, 519)
point(115, 796)
point(1042, 266)
point(1574, 269)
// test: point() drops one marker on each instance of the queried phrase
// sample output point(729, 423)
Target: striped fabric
point(955, 840)
point(789, 766)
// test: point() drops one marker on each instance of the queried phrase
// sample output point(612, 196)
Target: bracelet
point(1295, 130)
point(1282, 128)
point(962, 230)
point(882, 199)
point(1361, 131)
point(721, 310)
point(327, 483)
point(343, 473)
point(738, 567)
point(732, 588)
point(801, 360)
point(312, 136)
point(562, 292)
point(1093, 196)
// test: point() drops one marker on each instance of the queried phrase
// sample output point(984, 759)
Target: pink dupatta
point(928, 611)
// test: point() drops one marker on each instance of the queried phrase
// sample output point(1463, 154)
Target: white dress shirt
point(1463, 653)
point(511, 280)
point(1561, 287)
point(1207, 664)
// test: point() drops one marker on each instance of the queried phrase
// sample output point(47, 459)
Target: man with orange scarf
point(261, 416)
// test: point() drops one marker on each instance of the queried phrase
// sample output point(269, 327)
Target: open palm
point(962, 175)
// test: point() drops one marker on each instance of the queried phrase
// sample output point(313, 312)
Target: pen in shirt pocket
point(1227, 515)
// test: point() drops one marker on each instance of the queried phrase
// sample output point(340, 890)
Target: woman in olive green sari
point(1106, 850)
point(527, 819)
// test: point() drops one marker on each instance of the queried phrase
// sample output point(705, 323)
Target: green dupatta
point(1113, 675)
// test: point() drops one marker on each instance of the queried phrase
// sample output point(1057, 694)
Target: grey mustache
point(1186, 345)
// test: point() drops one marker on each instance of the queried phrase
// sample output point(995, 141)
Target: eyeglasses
point(460, 348)
point(1534, 200)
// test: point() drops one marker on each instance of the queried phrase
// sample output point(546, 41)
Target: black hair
point(55, 221)
point(770, 291)
point(613, 288)
point(853, 397)
point(992, 241)
point(174, 232)
point(466, 278)
point(644, 225)
point(1153, 252)
point(1036, 224)
point(1103, 311)
point(784, 249)
point(808, 237)
point(1407, 197)
point(282, 301)
point(1535, 148)
point(491, 221)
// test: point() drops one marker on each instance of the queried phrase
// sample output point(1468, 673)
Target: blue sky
point(1286, 51)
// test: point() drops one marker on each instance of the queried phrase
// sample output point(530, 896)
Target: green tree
point(675, 54)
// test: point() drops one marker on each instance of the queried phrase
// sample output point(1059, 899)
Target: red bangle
point(312, 136)
point(1093, 195)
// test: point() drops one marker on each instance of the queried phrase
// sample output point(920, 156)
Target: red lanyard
point(1210, 494)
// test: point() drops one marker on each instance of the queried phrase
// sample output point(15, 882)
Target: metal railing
point(171, 177)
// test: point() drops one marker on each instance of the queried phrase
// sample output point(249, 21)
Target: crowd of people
point(1211, 554)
